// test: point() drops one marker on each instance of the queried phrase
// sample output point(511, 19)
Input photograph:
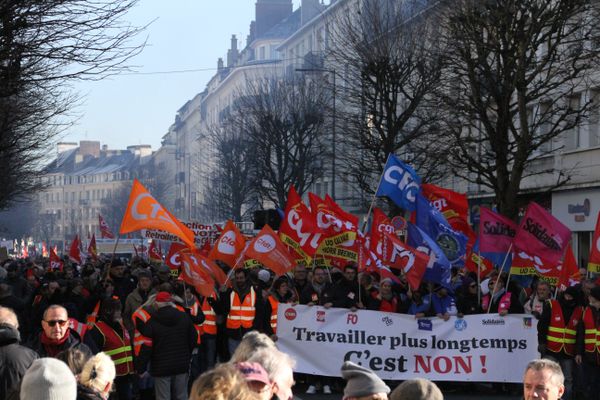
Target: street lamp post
point(333, 121)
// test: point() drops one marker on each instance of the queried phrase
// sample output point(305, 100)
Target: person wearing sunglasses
point(56, 334)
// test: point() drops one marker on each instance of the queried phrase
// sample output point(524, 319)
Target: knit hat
point(253, 372)
point(48, 379)
point(163, 297)
point(417, 389)
point(361, 381)
point(144, 273)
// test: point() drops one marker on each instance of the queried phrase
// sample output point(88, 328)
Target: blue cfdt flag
point(438, 269)
point(400, 183)
point(432, 222)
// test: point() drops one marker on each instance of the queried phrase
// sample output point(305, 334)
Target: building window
point(572, 139)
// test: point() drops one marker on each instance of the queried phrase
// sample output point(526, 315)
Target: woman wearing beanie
point(362, 383)
point(48, 379)
point(96, 379)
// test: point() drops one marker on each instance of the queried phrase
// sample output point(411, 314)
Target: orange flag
point(268, 249)
point(193, 273)
point(143, 211)
point(229, 245)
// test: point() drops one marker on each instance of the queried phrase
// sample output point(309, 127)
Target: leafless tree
point(232, 193)
point(283, 121)
point(512, 90)
point(113, 207)
point(388, 59)
point(44, 47)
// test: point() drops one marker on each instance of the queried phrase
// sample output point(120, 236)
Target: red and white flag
point(55, 262)
point(401, 256)
point(105, 232)
point(594, 262)
point(173, 259)
point(229, 246)
point(153, 252)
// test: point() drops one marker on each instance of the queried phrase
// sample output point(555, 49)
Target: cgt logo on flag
point(425, 325)
point(264, 244)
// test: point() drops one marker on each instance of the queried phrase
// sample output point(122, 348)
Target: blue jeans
point(208, 352)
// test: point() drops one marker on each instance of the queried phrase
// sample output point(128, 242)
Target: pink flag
point(540, 234)
point(496, 232)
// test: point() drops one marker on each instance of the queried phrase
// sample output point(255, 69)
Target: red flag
point(298, 229)
point(540, 234)
point(105, 232)
point(193, 274)
point(594, 263)
point(153, 252)
point(381, 225)
point(400, 255)
point(229, 245)
point(74, 251)
point(92, 249)
point(206, 248)
point(143, 211)
point(453, 205)
point(524, 263)
point(207, 265)
point(569, 269)
point(496, 232)
point(55, 262)
point(268, 249)
point(339, 228)
point(173, 259)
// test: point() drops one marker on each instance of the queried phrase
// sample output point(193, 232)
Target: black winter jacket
point(173, 339)
point(73, 341)
point(14, 361)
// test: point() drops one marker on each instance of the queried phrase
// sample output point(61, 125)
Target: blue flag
point(432, 222)
point(438, 270)
point(400, 183)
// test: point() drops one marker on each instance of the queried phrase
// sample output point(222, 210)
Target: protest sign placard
point(483, 347)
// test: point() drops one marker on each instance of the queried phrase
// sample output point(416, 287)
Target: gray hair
point(544, 364)
point(8, 317)
point(54, 307)
point(273, 361)
point(252, 342)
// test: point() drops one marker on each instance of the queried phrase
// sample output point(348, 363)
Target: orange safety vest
point(194, 313)
point(117, 347)
point(209, 326)
point(274, 307)
point(561, 336)
point(241, 313)
point(592, 334)
point(138, 338)
point(78, 327)
point(93, 316)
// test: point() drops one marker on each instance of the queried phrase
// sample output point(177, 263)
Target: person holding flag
point(243, 307)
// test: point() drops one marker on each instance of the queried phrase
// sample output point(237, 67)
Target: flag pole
point(112, 258)
point(374, 196)
point(498, 277)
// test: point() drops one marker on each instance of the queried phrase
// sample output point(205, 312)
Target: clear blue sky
point(187, 34)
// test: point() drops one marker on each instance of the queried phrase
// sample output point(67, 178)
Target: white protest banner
point(484, 347)
point(202, 233)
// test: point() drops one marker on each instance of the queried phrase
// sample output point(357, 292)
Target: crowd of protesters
point(131, 329)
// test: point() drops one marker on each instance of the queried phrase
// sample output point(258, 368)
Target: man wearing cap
point(138, 297)
point(557, 328)
point(56, 335)
point(362, 383)
point(173, 340)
